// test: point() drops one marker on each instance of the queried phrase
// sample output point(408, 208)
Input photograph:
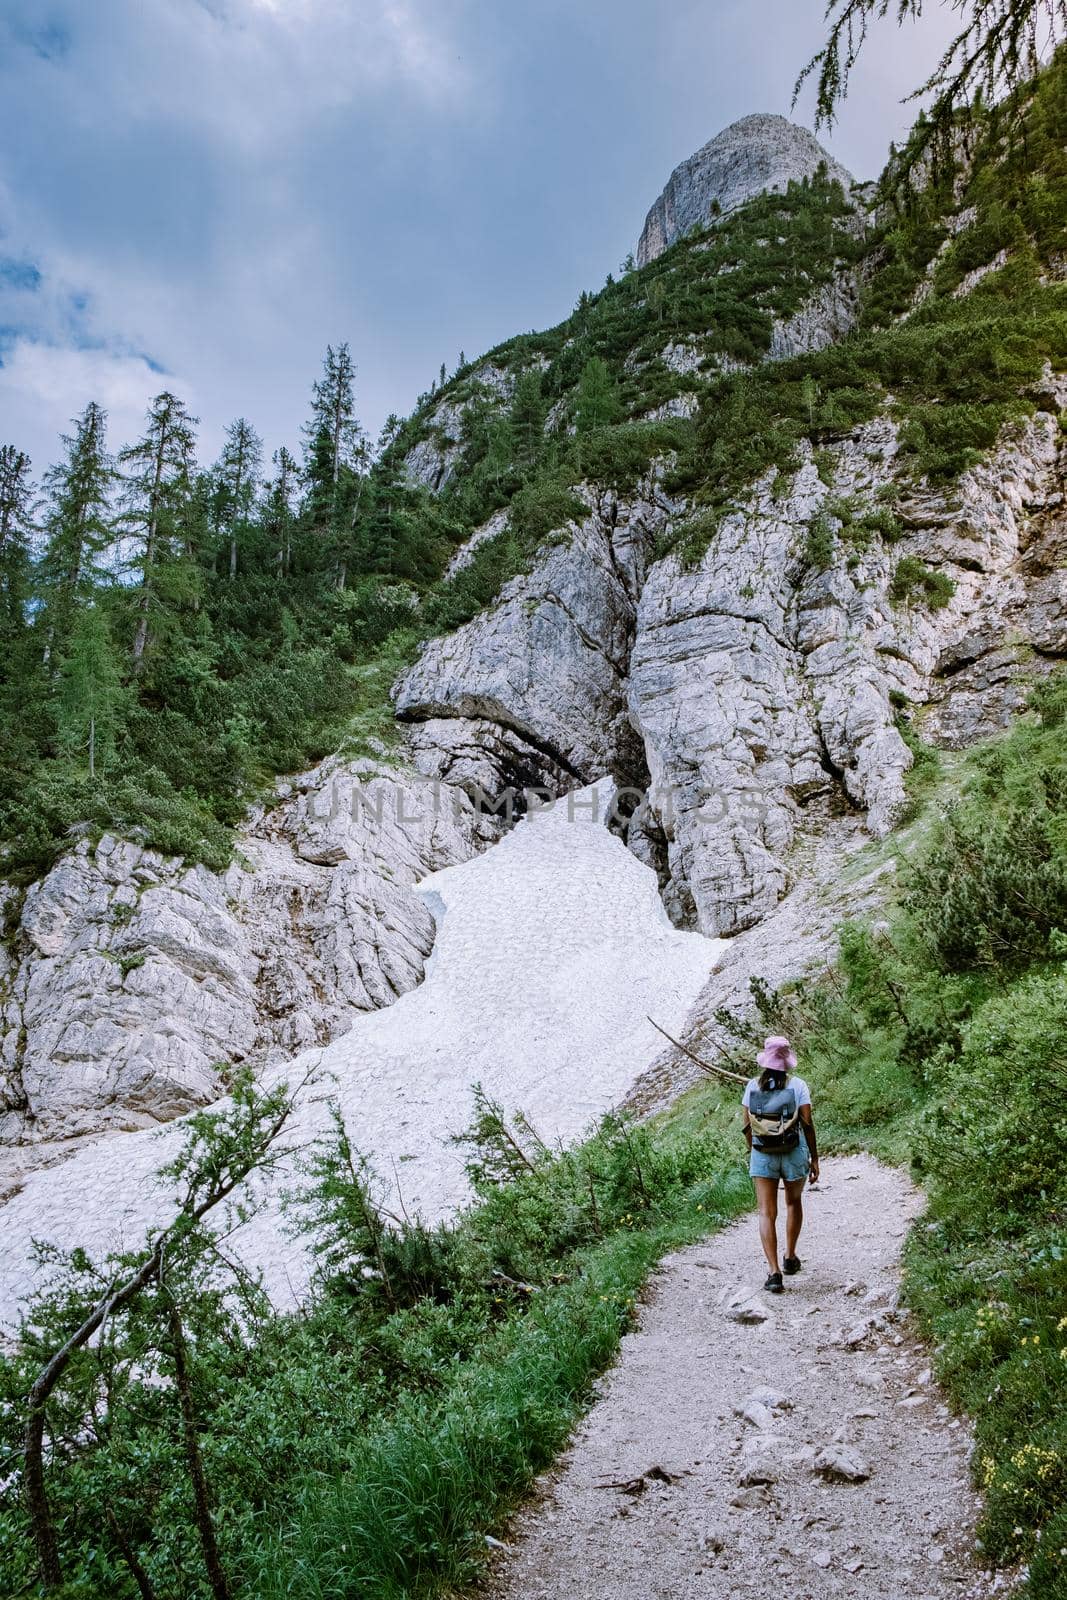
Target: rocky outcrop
point(432, 460)
point(828, 316)
point(132, 982)
point(552, 950)
point(761, 685)
point(534, 691)
point(768, 680)
point(757, 154)
point(490, 529)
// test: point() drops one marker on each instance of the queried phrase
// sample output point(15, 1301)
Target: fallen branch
point(639, 1484)
point(705, 1066)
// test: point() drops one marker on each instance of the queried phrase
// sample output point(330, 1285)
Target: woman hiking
point(777, 1112)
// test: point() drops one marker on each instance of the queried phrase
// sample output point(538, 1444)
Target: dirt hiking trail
point(807, 1455)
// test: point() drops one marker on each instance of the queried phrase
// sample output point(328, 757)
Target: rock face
point(432, 460)
point(762, 686)
point(756, 154)
point(551, 949)
point(764, 683)
point(533, 692)
point(133, 981)
point(754, 705)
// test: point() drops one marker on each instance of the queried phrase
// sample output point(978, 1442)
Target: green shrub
point(913, 582)
point(818, 549)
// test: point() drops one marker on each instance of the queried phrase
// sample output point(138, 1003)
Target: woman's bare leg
point(794, 1214)
point(767, 1201)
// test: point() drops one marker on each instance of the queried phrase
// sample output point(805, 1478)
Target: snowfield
point(552, 950)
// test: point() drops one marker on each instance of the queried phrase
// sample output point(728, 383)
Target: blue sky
point(202, 193)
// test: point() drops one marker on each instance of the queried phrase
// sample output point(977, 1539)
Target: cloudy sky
point(200, 194)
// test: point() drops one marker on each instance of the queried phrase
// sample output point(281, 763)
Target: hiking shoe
point(774, 1283)
point(791, 1265)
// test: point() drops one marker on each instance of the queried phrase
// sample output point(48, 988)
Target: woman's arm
point(807, 1122)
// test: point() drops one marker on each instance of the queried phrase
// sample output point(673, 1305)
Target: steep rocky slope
point(715, 547)
point(132, 980)
point(754, 155)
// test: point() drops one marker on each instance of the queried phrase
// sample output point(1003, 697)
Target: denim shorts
point(788, 1164)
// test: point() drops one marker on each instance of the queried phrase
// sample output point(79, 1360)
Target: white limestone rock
point(133, 981)
point(431, 462)
point(755, 155)
point(552, 950)
point(761, 686)
point(541, 675)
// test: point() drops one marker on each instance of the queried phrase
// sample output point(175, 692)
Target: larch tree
point(598, 397)
point(1000, 45)
point(333, 414)
point(18, 503)
point(78, 526)
point(91, 693)
point(237, 479)
point(279, 516)
point(528, 410)
point(157, 473)
point(335, 458)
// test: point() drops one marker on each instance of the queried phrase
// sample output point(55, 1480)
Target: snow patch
point(552, 950)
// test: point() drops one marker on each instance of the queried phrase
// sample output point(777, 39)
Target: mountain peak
point(757, 153)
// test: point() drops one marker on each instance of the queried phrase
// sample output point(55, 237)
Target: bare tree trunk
point(37, 1507)
point(41, 1525)
point(205, 1526)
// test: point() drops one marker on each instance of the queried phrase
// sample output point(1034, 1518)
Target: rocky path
point(798, 1449)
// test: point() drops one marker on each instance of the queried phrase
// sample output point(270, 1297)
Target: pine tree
point(528, 416)
point(91, 694)
point(237, 479)
point(157, 472)
point(18, 503)
point(279, 518)
point(333, 415)
point(336, 457)
point(78, 525)
point(598, 399)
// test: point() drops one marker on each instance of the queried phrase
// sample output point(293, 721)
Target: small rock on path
point(677, 1397)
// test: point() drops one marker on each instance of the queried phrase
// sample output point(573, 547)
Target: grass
point(411, 1515)
point(368, 1444)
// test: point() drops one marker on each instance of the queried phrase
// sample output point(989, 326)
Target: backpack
point(775, 1118)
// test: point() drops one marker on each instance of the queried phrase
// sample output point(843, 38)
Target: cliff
point(755, 155)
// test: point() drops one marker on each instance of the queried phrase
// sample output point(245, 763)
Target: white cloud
point(46, 386)
point(255, 71)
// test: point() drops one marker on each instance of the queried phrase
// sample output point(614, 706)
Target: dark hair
point(774, 1078)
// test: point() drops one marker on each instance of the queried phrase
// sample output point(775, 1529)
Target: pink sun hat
point(777, 1055)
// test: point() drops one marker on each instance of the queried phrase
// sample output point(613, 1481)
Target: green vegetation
point(173, 635)
point(957, 369)
point(938, 1039)
point(914, 583)
point(374, 1439)
point(368, 1443)
point(995, 46)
